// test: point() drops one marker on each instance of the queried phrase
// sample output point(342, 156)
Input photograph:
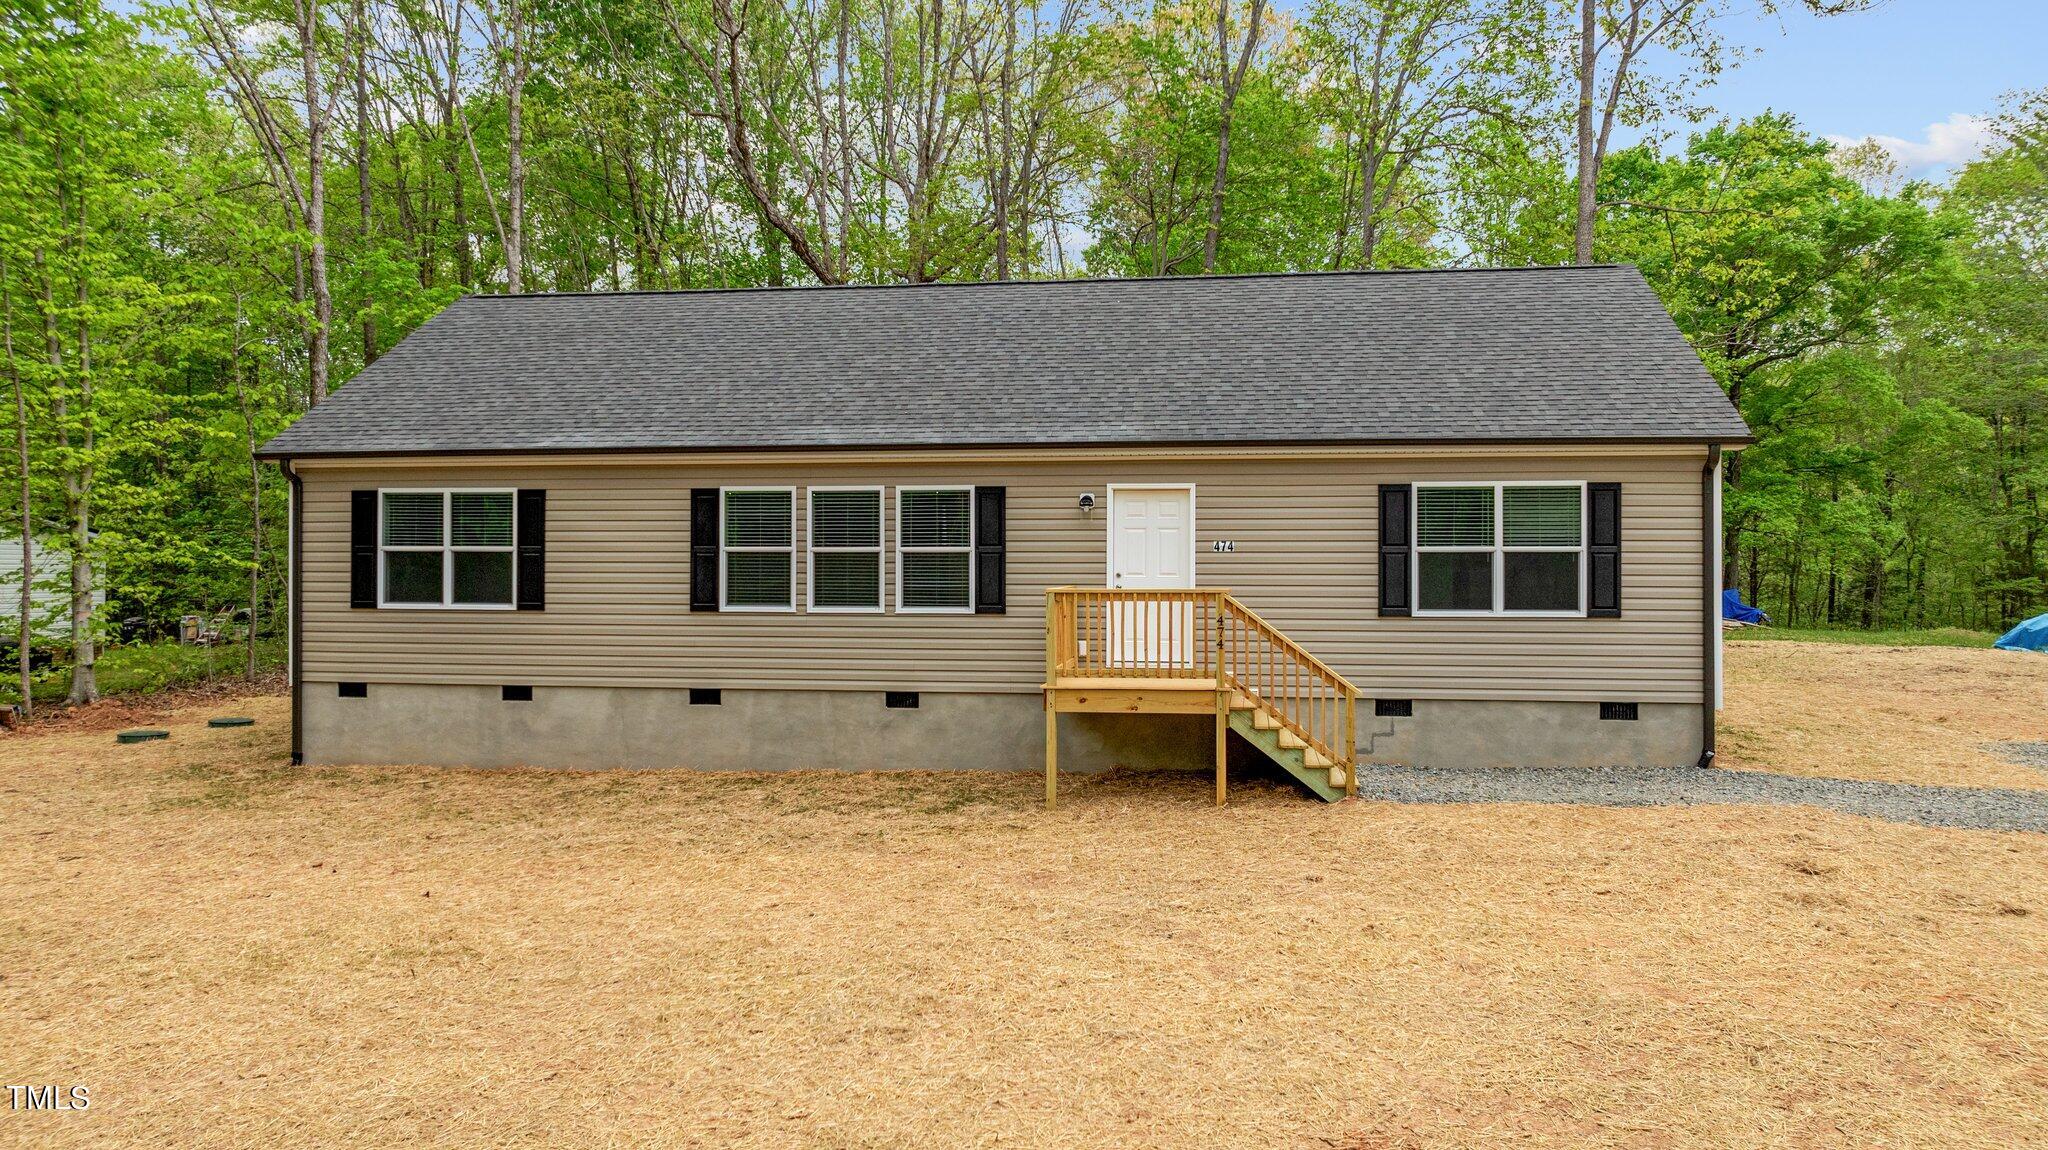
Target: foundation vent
point(1393, 708)
point(706, 697)
point(900, 700)
point(512, 694)
point(352, 690)
point(1623, 711)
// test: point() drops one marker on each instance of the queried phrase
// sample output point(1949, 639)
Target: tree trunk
point(1582, 235)
point(515, 191)
point(53, 351)
point(1731, 529)
point(1233, 81)
point(845, 264)
point(361, 34)
point(24, 634)
point(78, 488)
point(1369, 219)
point(1756, 576)
point(78, 476)
point(308, 12)
point(255, 489)
point(1003, 170)
point(1792, 586)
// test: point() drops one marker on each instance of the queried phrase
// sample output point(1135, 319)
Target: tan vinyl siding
point(618, 581)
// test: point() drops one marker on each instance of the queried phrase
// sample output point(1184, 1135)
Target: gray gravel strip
point(1970, 808)
point(2033, 755)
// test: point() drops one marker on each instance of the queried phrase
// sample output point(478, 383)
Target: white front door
point(1151, 548)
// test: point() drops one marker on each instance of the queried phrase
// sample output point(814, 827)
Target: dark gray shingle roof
point(1515, 354)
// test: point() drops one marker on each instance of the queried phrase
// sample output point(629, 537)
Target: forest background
point(214, 213)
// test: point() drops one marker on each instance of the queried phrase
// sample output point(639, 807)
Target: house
point(49, 589)
point(1432, 517)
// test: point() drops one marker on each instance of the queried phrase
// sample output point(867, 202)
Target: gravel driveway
point(1972, 808)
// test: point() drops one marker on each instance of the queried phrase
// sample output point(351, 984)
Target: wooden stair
point(1198, 651)
point(1258, 725)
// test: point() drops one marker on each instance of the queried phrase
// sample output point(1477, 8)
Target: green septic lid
point(231, 721)
point(140, 736)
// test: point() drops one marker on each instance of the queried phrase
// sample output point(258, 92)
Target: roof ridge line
point(1348, 273)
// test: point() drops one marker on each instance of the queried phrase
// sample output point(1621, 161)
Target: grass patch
point(146, 668)
point(1923, 637)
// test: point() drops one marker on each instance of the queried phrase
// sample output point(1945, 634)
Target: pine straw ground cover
point(232, 952)
point(1888, 714)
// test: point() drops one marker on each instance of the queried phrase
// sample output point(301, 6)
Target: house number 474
point(1223, 545)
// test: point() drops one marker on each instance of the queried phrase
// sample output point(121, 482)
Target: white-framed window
point(845, 545)
point(445, 547)
point(757, 548)
point(1516, 548)
point(934, 549)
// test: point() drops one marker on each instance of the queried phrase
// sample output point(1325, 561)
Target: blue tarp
point(1732, 607)
point(2031, 635)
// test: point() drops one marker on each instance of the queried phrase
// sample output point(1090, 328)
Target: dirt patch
point(1887, 714)
point(232, 951)
point(118, 711)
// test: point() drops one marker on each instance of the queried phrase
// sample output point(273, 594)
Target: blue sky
point(1911, 70)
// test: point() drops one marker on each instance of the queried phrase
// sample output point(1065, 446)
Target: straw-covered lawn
point(1891, 714)
point(228, 951)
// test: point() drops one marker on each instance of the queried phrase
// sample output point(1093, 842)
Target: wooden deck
point(1196, 652)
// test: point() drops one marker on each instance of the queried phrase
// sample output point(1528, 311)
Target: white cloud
point(1949, 144)
point(262, 34)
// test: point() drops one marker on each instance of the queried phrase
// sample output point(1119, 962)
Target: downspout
point(293, 598)
point(1710, 608)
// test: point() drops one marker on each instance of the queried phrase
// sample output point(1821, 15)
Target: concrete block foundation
point(639, 727)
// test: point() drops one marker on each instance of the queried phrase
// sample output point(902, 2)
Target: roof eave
point(1727, 442)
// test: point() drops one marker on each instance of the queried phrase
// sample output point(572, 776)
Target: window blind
point(1541, 516)
point(846, 550)
point(482, 518)
point(412, 519)
point(1454, 517)
point(936, 566)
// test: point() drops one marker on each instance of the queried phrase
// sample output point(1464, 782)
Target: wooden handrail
point(1105, 632)
point(1307, 697)
point(1202, 636)
point(1299, 651)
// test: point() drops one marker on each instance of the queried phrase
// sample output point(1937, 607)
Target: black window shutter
point(704, 549)
point(362, 548)
point(1603, 539)
point(1395, 533)
point(533, 549)
point(990, 549)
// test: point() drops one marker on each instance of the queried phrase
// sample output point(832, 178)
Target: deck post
point(1351, 746)
point(1052, 711)
point(1222, 704)
point(1052, 750)
point(1222, 743)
